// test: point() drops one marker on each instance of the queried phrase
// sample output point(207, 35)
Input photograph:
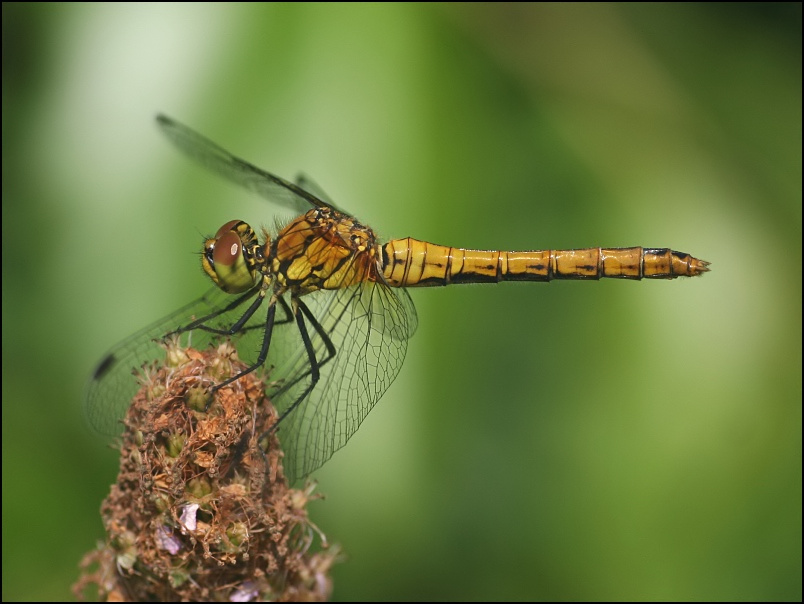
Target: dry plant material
point(201, 509)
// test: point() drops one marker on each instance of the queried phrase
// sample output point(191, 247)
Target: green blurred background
point(571, 441)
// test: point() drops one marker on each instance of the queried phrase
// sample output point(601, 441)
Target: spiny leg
point(199, 323)
point(315, 367)
point(237, 325)
point(266, 343)
point(288, 317)
point(327, 343)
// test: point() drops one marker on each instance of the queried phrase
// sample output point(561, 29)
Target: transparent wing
point(239, 171)
point(369, 325)
point(308, 184)
point(113, 382)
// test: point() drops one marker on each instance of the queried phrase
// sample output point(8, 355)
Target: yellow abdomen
point(411, 263)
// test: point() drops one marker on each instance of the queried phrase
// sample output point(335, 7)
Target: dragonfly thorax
point(323, 249)
point(233, 258)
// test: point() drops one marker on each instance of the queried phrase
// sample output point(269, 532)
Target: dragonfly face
point(344, 319)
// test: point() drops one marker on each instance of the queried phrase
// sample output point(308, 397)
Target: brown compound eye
point(229, 226)
point(225, 262)
point(227, 250)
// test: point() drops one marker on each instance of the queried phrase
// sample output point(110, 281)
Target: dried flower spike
point(201, 510)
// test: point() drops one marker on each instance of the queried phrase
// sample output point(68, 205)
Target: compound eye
point(224, 260)
point(228, 249)
point(229, 226)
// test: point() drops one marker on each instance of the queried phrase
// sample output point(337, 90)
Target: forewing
point(239, 171)
point(308, 184)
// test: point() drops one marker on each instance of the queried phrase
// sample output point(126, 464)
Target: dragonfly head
point(230, 258)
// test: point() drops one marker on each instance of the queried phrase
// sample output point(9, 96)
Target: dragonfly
point(324, 304)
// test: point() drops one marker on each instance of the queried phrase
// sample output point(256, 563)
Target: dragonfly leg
point(288, 317)
point(237, 325)
point(314, 372)
point(327, 343)
point(199, 323)
point(266, 343)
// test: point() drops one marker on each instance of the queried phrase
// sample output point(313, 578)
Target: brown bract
point(201, 509)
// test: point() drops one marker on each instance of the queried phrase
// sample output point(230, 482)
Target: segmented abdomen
point(410, 263)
